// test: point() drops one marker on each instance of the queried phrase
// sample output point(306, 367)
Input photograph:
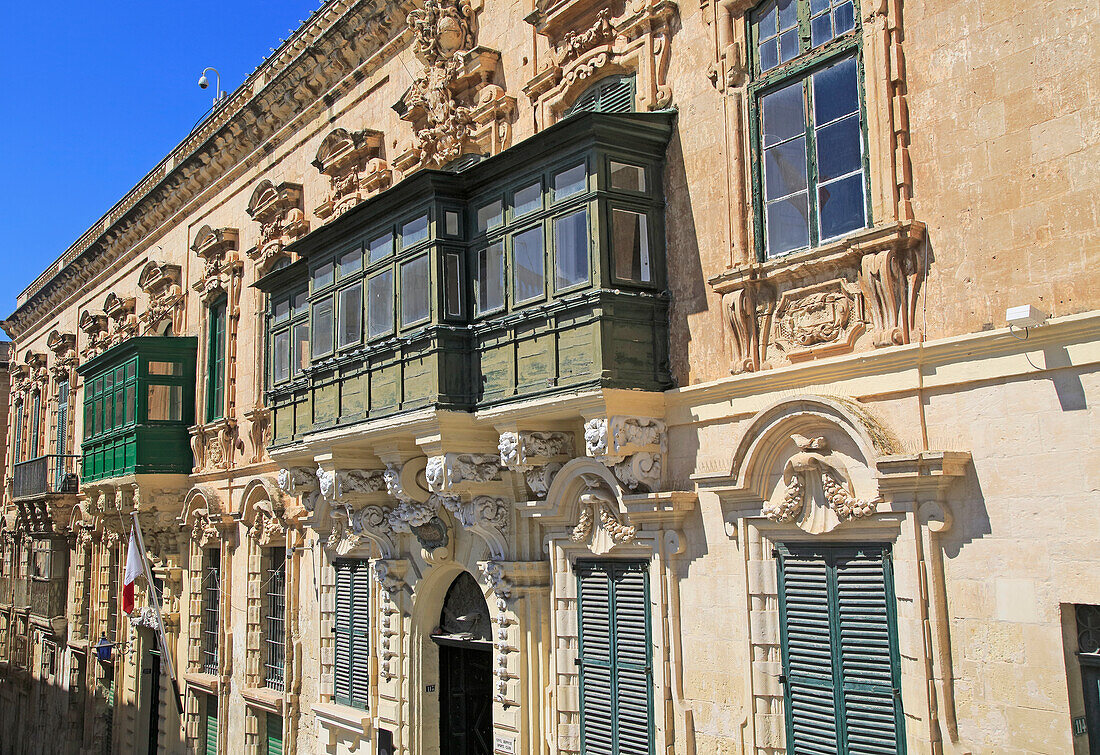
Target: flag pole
point(161, 639)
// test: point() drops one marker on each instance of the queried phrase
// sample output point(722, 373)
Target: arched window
point(806, 109)
point(613, 94)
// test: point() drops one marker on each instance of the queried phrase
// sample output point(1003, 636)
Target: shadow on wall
point(1067, 383)
point(969, 513)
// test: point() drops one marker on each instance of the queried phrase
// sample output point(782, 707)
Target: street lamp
point(205, 82)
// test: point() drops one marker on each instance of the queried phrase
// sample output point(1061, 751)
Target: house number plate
point(504, 745)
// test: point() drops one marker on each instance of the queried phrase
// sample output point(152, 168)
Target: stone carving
point(632, 447)
point(205, 527)
point(350, 160)
point(392, 479)
point(65, 360)
point(259, 432)
point(447, 471)
point(267, 527)
point(213, 444)
point(385, 574)
point(94, 327)
point(817, 320)
point(790, 506)
point(222, 267)
point(844, 503)
point(597, 504)
point(640, 471)
point(539, 478)
point(278, 210)
point(300, 481)
point(486, 515)
point(146, 616)
point(596, 436)
point(890, 280)
point(536, 455)
point(120, 312)
point(335, 485)
point(161, 284)
point(501, 587)
point(813, 456)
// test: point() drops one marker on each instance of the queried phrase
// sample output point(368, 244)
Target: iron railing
point(53, 473)
point(276, 622)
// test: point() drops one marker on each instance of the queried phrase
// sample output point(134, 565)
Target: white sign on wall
point(504, 745)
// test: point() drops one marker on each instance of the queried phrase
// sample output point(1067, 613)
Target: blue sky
point(96, 94)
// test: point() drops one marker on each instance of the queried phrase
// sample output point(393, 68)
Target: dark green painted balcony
point(139, 400)
point(537, 271)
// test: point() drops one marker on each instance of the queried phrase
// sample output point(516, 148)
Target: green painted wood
point(274, 734)
point(839, 648)
point(215, 359)
point(351, 629)
point(210, 728)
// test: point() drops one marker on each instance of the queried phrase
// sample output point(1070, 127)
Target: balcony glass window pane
point(490, 216)
point(415, 291)
point(351, 262)
point(281, 310)
point(280, 361)
point(323, 276)
point(380, 248)
point(300, 356)
point(625, 177)
point(350, 316)
point(451, 222)
point(414, 231)
point(380, 304)
point(529, 265)
point(490, 278)
point(165, 403)
point(453, 275)
point(120, 410)
point(300, 302)
point(166, 368)
point(131, 400)
point(630, 245)
point(528, 199)
point(570, 182)
point(571, 249)
point(322, 328)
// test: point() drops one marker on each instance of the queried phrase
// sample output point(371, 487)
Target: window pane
point(450, 222)
point(131, 396)
point(490, 278)
point(769, 54)
point(350, 315)
point(281, 310)
point(838, 151)
point(840, 206)
point(300, 302)
point(323, 276)
point(766, 21)
point(414, 231)
point(381, 247)
point(570, 182)
point(322, 328)
point(490, 216)
point(571, 249)
point(817, 6)
point(844, 18)
point(166, 368)
point(120, 410)
point(821, 30)
point(453, 276)
point(784, 114)
point(630, 245)
point(788, 16)
point(627, 177)
point(788, 45)
point(836, 91)
point(785, 169)
point(528, 199)
point(350, 262)
point(280, 360)
point(300, 356)
point(788, 224)
point(415, 292)
point(165, 403)
point(380, 304)
point(529, 265)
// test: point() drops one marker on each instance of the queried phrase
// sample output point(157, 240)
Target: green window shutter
point(839, 651)
point(614, 94)
point(215, 360)
point(616, 677)
point(342, 631)
point(211, 725)
point(360, 635)
point(274, 734)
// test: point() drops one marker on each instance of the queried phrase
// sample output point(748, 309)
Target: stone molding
point(633, 447)
point(536, 455)
point(162, 283)
point(350, 160)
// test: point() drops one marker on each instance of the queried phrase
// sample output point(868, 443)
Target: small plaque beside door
point(504, 745)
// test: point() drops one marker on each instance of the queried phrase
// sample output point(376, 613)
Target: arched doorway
point(465, 670)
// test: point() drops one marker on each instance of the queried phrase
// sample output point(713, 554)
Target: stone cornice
point(324, 54)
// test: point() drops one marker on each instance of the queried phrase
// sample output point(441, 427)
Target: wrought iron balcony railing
point(47, 474)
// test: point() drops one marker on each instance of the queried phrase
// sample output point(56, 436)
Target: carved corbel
point(259, 432)
point(120, 312)
point(743, 309)
point(486, 515)
point(344, 157)
point(278, 210)
point(452, 472)
point(536, 455)
point(301, 481)
point(890, 280)
point(94, 327)
point(632, 447)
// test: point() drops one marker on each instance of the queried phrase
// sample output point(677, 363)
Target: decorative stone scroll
point(599, 515)
point(96, 338)
point(453, 472)
point(536, 455)
point(120, 313)
point(631, 446)
point(222, 266)
point(486, 515)
point(213, 444)
point(501, 587)
point(814, 457)
point(389, 580)
point(354, 169)
point(65, 359)
point(259, 432)
point(301, 481)
point(278, 210)
point(161, 283)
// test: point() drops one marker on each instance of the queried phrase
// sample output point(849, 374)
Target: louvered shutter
point(360, 635)
point(342, 631)
point(274, 734)
point(211, 725)
point(614, 94)
point(632, 671)
point(839, 651)
point(597, 711)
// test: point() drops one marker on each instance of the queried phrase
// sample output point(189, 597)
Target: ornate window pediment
point(94, 327)
point(120, 313)
point(278, 210)
point(351, 161)
point(217, 248)
point(161, 283)
point(63, 347)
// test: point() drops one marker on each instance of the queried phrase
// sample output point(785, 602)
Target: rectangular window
point(528, 265)
point(61, 422)
point(349, 322)
point(281, 310)
point(451, 222)
point(322, 328)
point(490, 278)
point(300, 356)
point(528, 199)
point(211, 597)
point(415, 231)
point(350, 262)
point(323, 276)
point(839, 646)
point(630, 245)
point(571, 249)
point(215, 376)
point(380, 248)
point(165, 403)
point(173, 369)
point(626, 177)
point(452, 274)
point(281, 356)
point(570, 181)
point(415, 291)
point(351, 628)
point(616, 676)
point(275, 620)
point(490, 216)
point(380, 304)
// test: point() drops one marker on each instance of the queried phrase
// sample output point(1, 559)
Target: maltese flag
point(133, 569)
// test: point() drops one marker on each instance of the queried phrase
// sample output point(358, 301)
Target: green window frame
point(110, 400)
point(17, 432)
point(615, 657)
point(215, 359)
point(35, 426)
point(841, 669)
point(807, 124)
point(351, 630)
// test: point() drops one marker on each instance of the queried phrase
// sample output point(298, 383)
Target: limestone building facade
point(580, 377)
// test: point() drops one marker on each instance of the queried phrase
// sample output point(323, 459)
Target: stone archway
point(464, 638)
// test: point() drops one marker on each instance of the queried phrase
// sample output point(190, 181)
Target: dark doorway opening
point(465, 671)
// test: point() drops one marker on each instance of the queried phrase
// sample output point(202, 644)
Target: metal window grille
point(211, 594)
point(275, 619)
